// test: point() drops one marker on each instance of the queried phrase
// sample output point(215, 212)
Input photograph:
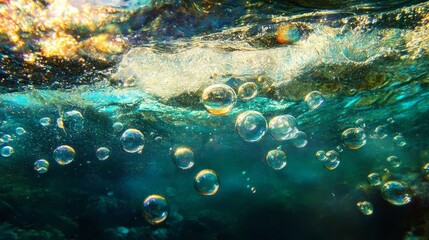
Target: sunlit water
point(214, 120)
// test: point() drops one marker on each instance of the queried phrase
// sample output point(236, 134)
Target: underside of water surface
point(214, 119)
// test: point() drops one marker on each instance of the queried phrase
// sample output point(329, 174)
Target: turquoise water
point(368, 61)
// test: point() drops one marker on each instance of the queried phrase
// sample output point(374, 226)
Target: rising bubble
point(184, 158)
point(314, 99)
point(247, 91)
point(102, 153)
point(283, 127)
point(251, 126)
point(332, 160)
point(397, 193)
point(380, 132)
point(374, 179)
point(155, 209)
point(132, 140)
point(300, 139)
point(394, 161)
point(7, 151)
point(276, 159)
point(399, 140)
point(117, 126)
point(20, 131)
point(73, 121)
point(354, 138)
point(45, 121)
point(6, 138)
point(206, 182)
point(64, 154)
point(41, 166)
point(365, 207)
point(320, 155)
point(426, 171)
point(219, 99)
point(360, 123)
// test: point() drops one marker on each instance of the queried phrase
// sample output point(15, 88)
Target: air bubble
point(7, 151)
point(283, 127)
point(300, 140)
point(399, 140)
point(102, 153)
point(397, 193)
point(206, 182)
point(155, 209)
point(276, 159)
point(365, 207)
point(64, 154)
point(132, 140)
point(314, 99)
point(184, 158)
point(394, 161)
point(374, 179)
point(219, 99)
point(41, 166)
point(247, 91)
point(251, 126)
point(353, 138)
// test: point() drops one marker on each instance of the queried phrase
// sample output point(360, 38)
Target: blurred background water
point(311, 115)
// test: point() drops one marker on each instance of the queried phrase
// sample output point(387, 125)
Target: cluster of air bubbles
point(374, 179)
point(399, 140)
point(394, 161)
point(184, 158)
point(381, 132)
point(41, 166)
point(332, 160)
point(72, 121)
point(251, 126)
point(117, 126)
point(283, 127)
point(354, 138)
point(365, 207)
point(102, 153)
point(313, 99)
point(247, 91)
point(20, 131)
point(426, 171)
point(360, 123)
point(276, 159)
point(7, 151)
point(45, 121)
point(397, 193)
point(219, 99)
point(155, 209)
point(206, 182)
point(64, 154)
point(132, 140)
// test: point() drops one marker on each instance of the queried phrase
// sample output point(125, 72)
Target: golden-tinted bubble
point(155, 209)
point(41, 166)
point(283, 127)
point(354, 138)
point(64, 154)
point(365, 207)
point(374, 179)
point(276, 159)
point(206, 182)
point(184, 158)
point(219, 99)
point(247, 91)
point(394, 161)
point(397, 193)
